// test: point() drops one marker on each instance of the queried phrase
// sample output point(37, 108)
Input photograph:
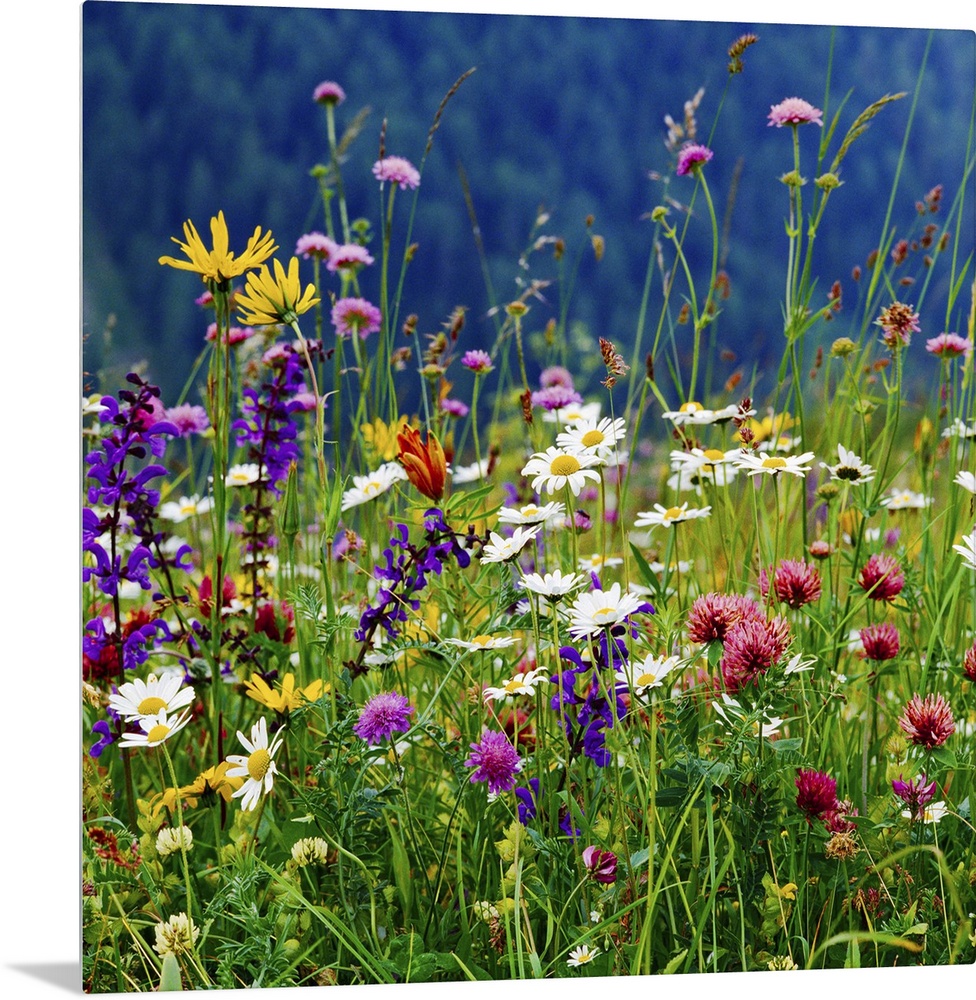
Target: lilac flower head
point(794, 111)
point(188, 419)
point(478, 361)
point(397, 170)
point(329, 92)
point(496, 761)
point(692, 158)
point(353, 315)
point(382, 716)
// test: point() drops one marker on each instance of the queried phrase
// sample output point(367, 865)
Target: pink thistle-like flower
point(713, 614)
point(396, 170)
point(555, 397)
point(816, 792)
point(819, 549)
point(916, 794)
point(315, 244)
point(478, 361)
point(348, 256)
point(382, 716)
point(351, 316)
point(750, 648)
point(794, 111)
point(692, 158)
point(329, 92)
point(838, 819)
point(454, 407)
point(188, 418)
point(304, 401)
point(898, 322)
point(601, 865)
point(556, 375)
point(948, 345)
point(235, 334)
point(882, 577)
point(496, 761)
point(795, 583)
point(881, 642)
point(969, 662)
point(927, 723)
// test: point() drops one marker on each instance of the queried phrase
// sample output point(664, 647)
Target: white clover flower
point(176, 935)
point(171, 839)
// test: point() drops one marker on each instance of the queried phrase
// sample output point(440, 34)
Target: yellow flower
point(288, 698)
point(206, 786)
point(769, 428)
point(219, 265)
point(280, 299)
point(381, 438)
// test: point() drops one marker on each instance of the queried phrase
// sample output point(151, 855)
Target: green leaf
point(170, 978)
point(640, 857)
point(672, 966)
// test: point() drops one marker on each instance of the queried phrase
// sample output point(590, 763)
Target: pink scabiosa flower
point(555, 397)
point(880, 642)
point(454, 407)
point(898, 322)
point(329, 92)
point(882, 577)
point(600, 865)
point(348, 257)
point(351, 316)
point(794, 111)
point(315, 244)
point(189, 419)
point(382, 716)
point(396, 170)
point(816, 793)
point(969, 662)
point(795, 583)
point(949, 345)
point(916, 794)
point(495, 761)
point(927, 723)
point(556, 375)
point(692, 158)
point(477, 361)
point(235, 335)
point(750, 648)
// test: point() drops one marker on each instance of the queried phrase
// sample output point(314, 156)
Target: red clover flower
point(927, 723)
point(882, 578)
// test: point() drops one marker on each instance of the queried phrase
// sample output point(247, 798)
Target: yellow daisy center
point(188, 508)
point(714, 454)
point(158, 733)
point(673, 513)
point(604, 611)
point(151, 705)
point(482, 640)
point(513, 685)
point(564, 465)
point(774, 463)
point(690, 407)
point(373, 486)
point(258, 764)
point(530, 511)
point(646, 679)
point(592, 438)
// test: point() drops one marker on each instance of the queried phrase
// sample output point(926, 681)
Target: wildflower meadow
point(419, 649)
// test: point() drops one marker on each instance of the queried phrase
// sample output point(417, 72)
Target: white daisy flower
point(555, 469)
point(552, 585)
point(931, 813)
point(695, 414)
point(243, 475)
point(781, 443)
point(596, 562)
point(702, 459)
point(572, 413)
point(501, 549)
point(258, 766)
point(186, 507)
point(156, 729)
point(483, 642)
point(772, 465)
point(849, 469)
point(368, 487)
point(140, 698)
point(666, 516)
point(960, 429)
point(593, 437)
point(472, 473)
point(92, 404)
point(906, 500)
point(690, 478)
point(968, 548)
point(966, 480)
point(731, 713)
point(582, 955)
point(645, 675)
point(520, 684)
point(595, 610)
point(531, 513)
point(682, 566)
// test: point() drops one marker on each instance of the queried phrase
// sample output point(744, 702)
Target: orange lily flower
point(424, 464)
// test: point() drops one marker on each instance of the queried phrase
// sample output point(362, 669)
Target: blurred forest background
point(189, 109)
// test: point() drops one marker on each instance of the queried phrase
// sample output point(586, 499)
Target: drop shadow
point(64, 975)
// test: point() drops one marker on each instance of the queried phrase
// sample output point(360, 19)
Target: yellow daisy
point(288, 697)
point(219, 264)
point(267, 300)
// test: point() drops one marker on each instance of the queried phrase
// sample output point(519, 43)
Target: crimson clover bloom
point(382, 716)
point(751, 647)
point(352, 315)
point(948, 345)
point(713, 614)
point(795, 583)
point(478, 361)
point(880, 642)
point(839, 819)
point(329, 92)
point(601, 865)
point(927, 723)
point(882, 578)
point(397, 170)
point(916, 794)
point(692, 158)
point(969, 662)
point(816, 792)
point(496, 762)
point(794, 111)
